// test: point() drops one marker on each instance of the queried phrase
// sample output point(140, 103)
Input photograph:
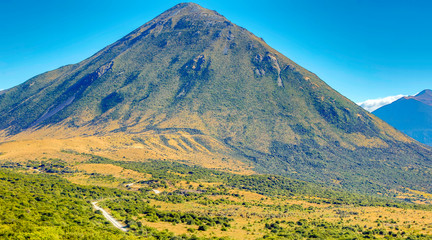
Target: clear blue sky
point(363, 48)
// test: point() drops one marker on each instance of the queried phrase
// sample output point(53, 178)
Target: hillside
point(411, 115)
point(191, 86)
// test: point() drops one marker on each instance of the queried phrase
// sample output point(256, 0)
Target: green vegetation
point(111, 101)
point(320, 229)
point(127, 209)
point(42, 206)
point(215, 200)
point(196, 72)
point(269, 185)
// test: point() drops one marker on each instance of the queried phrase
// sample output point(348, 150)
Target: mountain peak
point(424, 96)
point(186, 7)
point(214, 87)
point(412, 115)
point(193, 11)
point(189, 5)
point(426, 92)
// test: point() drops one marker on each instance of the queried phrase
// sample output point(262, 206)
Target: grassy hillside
point(190, 85)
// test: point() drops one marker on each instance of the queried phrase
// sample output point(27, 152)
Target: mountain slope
point(411, 115)
point(193, 74)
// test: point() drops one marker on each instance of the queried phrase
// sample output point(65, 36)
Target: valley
point(173, 199)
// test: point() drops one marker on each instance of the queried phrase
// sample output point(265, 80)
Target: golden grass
point(362, 141)
point(234, 232)
point(124, 147)
point(249, 221)
point(424, 194)
point(416, 196)
point(85, 180)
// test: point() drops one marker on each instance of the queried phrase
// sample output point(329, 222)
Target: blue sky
point(365, 49)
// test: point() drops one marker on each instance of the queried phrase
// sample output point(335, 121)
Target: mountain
point(191, 86)
point(411, 115)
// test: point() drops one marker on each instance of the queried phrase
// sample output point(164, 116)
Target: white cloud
point(373, 104)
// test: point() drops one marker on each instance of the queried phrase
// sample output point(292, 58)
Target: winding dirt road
point(110, 218)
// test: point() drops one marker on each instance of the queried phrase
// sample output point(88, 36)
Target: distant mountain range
point(192, 82)
point(411, 115)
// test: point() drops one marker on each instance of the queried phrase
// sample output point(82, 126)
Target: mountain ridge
point(424, 96)
point(412, 115)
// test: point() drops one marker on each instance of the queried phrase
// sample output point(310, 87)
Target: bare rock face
point(275, 65)
point(102, 70)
